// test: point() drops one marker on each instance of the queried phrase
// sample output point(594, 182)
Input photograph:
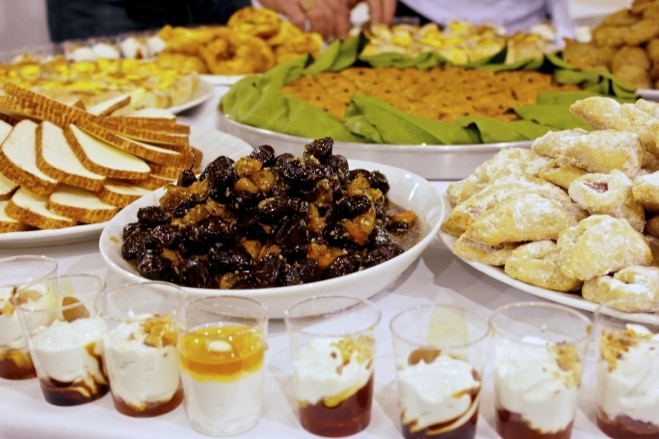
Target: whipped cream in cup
point(539, 351)
point(332, 344)
point(140, 346)
point(627, 371)
point(439, 354)
point(15, 271)
point(65, 338)
point(221, 349)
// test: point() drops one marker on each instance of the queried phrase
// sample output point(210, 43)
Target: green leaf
point(368, 114)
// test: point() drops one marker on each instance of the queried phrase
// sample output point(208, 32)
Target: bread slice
point(7, 188)
point(145, 151)
point(22, 101)
point(9, 224)
point(109, 106)
point(121, 193)
point(55, 158)
point(100, 157)
point(30, 208)
point(80, 204)
point(19, 160)
point(150, 135)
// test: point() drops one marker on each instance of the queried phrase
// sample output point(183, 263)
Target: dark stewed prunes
point(269, 220)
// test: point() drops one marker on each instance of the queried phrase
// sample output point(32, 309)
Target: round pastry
point(646, 191)
point(609, 194)
point(537, 263)
point(234, 53)
point(601, 244)
point(638, 282)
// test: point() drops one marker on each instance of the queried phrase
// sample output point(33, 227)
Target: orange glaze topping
point(221, 353)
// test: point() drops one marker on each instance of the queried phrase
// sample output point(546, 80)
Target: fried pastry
point(506, 165)
point(538, 263)
point(464, 214)
point(526, 217)
point(646, 191)
point(609, 194)
point(606, 113)
point(634, 282)
point(561, 176)
point(594, 151)
point(601, 244)
point(470, 250)
point(652, 226)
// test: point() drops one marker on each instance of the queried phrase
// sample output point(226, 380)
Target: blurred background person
point(511, 15)
point(82, 19)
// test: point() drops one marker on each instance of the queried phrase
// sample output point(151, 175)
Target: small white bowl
point(408, 190)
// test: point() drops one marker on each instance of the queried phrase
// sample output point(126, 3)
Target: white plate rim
point(648, 93)
point(205, 140)
point(204, 92)
point(221, 79)
point(418, 148)
point(569, 299)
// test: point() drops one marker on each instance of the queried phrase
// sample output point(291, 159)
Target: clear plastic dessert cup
point(439, 353)
point(65, 337)
point(539, 351)
point(15, 271)
point(332, 344)
point(221, 347)
point(627, 341)
point(140, 346)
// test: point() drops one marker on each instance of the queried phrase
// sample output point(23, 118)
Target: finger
point(381, 11)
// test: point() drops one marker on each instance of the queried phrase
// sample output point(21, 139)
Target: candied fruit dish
point(268, 220)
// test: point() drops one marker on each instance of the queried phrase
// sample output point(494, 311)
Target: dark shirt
point(82, 19)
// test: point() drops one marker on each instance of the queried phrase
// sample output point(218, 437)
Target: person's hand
point(330, 18)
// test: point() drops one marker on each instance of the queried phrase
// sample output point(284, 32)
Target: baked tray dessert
point(395, 106)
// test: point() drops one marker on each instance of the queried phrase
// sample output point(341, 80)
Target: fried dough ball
point(181, 61)
point(234, 53)
point(186, 40)
point(630, 55)
point(259, 22)
point(301, 44)
point(587, 55)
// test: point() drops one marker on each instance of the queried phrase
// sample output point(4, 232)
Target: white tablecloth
point(438, 276)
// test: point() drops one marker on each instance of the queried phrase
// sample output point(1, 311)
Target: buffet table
point(437, 276)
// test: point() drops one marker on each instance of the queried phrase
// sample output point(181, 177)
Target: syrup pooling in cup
point(627, 375)
point(439, 396)
point(140, 346)
point(439, 355)
point(142, 364)
point(65, 338)
point(334, 382)
point(332, 344)
point(15, 360)
point(538, 364)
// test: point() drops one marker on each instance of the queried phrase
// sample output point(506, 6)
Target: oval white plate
point(434, 162)
point(574, 300)
point(408, 190)
point(649, 94)
point(210, 142)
